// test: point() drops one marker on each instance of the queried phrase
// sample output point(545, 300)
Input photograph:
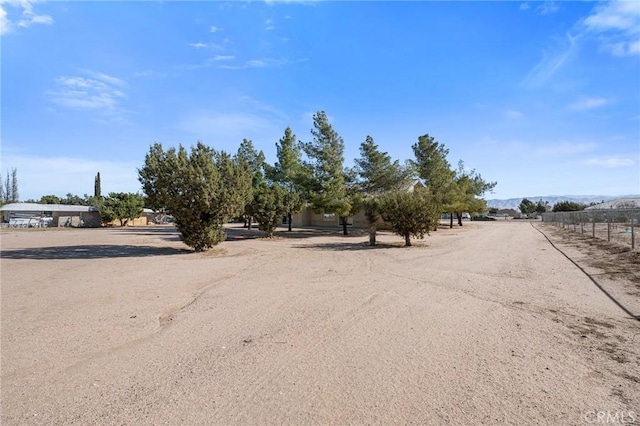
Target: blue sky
point(542, 97)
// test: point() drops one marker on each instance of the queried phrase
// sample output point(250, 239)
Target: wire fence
point(615, 225)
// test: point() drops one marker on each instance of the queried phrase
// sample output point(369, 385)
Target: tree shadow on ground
point(239, 233)
point(91, 252)
point(349, 246)
point(167, 233)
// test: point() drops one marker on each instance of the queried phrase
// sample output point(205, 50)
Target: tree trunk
point(459, 218)
point(344, 225)
point(249, 227)
point(372, 234)
point(244, 218)
point(289, 220)
point(450, 220)
point(407, 241)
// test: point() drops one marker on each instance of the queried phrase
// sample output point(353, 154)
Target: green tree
point(325, 171)
point(254, 160)
point(568, 206)
point(432, 167)
point(97, 189)
point(411, 214)
point(15, 194)
point(50, 199)
point(268, 207)
point(527, 206)
point(122, 206)
point(73, 200)
point(468, 187)
point(541, 206)
point(376, 175)
point(202, 189)
point(8, 197)
point(289, 173)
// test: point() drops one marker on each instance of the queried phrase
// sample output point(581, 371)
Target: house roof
point(35, 207)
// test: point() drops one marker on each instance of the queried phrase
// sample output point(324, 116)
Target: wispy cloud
point(224, 58)
point(27, 16)
point(513, 114)
point(268, 25)
point(562, 149)
point(198, 45)
point(524, 6)
point(215, 29)
point(260, 63)
point(590, 103)
point(547, 8)
point(610, 162)
point(90, 91)
point(617, 25)
point(551, 62)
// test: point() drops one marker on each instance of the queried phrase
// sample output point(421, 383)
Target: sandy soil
point(484, 324)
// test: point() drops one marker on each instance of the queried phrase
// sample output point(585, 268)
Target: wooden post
point(593, 232)
point(608, 230)
point(633, 235)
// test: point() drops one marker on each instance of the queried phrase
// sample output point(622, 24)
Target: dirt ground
point(489, 323)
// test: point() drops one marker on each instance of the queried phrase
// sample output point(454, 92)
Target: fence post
point(608, 229)
point(581, 224)
point(593, 232)
point(633, 235)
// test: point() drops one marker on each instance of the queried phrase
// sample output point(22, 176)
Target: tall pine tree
point(325, 165)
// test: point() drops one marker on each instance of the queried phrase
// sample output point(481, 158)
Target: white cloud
point(260, 63)
point(96, 92)
point(547, 8)
point(610, 162)
point(226, 129)
point(269, 25)
point(198, 45)
point(28, 16)
point(590, 103)
point(524, 6)
point(551, 62)
point(617, 25)
point(215, 29)
point(224, 58)
point(563, 149)
point(513, 114)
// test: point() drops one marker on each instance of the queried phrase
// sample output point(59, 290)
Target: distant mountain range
point(513, 203)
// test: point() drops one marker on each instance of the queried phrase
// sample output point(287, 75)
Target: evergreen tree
point(15, 194)
point(435, 171)
point(202, 189)
point(376, 175)
point(527, 206)
point(411, 214)
point(254, 160)
point(288, 172)
point(268, 206)
point(468, 187)
point(568, 206)
point(97, 189)
point(8, 197)
point(325, 182)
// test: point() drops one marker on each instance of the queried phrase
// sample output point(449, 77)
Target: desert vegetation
point(205, 188)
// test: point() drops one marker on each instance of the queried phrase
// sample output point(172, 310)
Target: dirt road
point(483, 324)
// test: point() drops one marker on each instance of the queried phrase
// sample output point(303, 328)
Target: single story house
point(33, 215)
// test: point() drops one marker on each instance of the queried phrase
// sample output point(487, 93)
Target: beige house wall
point(309, 218)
